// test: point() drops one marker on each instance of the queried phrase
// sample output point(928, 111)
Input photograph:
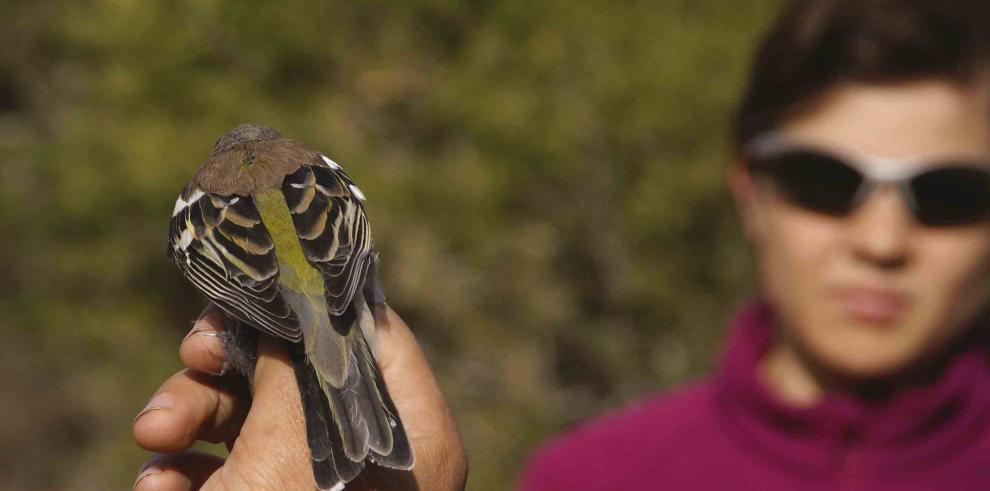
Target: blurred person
point(861, 177)
point(862, 153)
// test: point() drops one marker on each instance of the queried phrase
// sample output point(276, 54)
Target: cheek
point(952, 281)
point(794, 254)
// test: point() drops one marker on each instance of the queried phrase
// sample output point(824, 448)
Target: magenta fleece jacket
point(728, 432)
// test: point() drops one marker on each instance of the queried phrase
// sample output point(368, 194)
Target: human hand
point(266, 434)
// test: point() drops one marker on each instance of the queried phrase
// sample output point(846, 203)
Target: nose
point(880, 228)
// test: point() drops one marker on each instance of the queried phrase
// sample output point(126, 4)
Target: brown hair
point(816, 44)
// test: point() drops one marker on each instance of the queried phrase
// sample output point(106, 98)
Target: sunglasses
point(938, 194)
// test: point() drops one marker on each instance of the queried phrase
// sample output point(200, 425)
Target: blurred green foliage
point(545, 184)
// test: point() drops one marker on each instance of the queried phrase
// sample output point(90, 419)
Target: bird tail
point(357, 421)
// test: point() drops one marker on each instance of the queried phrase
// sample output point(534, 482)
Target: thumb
point(271, 452)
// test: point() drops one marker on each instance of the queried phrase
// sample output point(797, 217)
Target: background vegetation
point(545, 184)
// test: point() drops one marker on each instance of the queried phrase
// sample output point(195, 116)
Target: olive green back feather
point(295, 270)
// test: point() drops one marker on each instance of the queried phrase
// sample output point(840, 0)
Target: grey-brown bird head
point(245, 133)
point(251, 158)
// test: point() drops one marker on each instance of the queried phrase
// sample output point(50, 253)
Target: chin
point(867, 368)
point(857, 352)
point(864, 354)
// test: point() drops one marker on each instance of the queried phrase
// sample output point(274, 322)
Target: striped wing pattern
point(221, 245)
point(328, 214)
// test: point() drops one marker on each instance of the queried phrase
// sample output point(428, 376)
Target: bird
point(275, 235)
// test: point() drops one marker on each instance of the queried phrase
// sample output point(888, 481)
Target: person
point(862, 150)
point(862, 179)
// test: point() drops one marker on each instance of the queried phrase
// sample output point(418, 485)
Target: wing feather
point(328, 214)
point(221, 245)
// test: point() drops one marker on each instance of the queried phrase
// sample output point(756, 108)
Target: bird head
point(244, 133)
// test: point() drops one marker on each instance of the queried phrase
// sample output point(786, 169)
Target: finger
point(185, 471)
point(274, 432)
point(191, 406)
point(202, 349)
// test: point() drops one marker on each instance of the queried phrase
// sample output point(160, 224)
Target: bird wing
point(222, 246)
point(328, 214)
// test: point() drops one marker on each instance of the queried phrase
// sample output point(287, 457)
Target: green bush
point(545, 183)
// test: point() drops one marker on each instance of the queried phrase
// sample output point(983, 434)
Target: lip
point(873, 305)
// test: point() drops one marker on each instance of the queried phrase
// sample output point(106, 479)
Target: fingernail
point(148, 469)
point(162, 400)
point(205, 330)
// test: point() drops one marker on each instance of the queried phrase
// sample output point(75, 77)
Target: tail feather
point(346, 467)
point(314, 407)
point(369, 396)
point(372, 301)
point(401, 455)
point(353, 429)
point(331, 466)
point(326, 476)
point(371, 404)
point(352, 423)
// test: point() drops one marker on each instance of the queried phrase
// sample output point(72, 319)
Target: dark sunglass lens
point(813, 180)
point(952, 196)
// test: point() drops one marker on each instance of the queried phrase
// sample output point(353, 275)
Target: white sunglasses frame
point(875, 171)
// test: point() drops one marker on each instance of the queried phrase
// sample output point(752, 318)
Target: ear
point(748, 204)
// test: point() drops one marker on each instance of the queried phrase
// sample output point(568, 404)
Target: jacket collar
point(909, 428)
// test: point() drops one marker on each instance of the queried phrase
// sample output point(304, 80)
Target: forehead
point(928, 118)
